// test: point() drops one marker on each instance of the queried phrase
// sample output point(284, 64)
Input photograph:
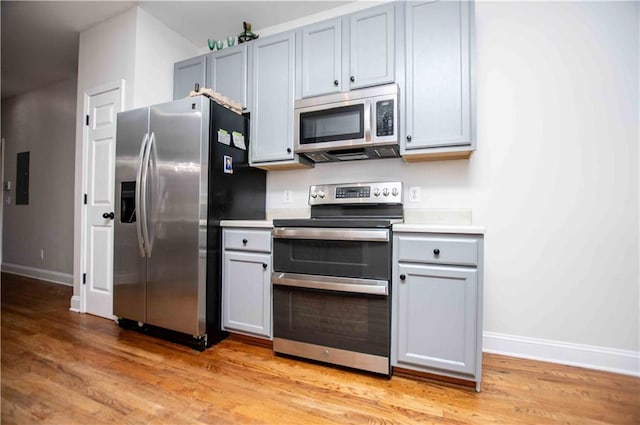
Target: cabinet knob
point(264, 266)
point(436, 251)
point(288, 150)
point(408, 138)
point(352, 79)
point(336, 82)
point(244, 241)
point(402, 276)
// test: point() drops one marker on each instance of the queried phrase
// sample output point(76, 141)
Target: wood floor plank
point(61, 367)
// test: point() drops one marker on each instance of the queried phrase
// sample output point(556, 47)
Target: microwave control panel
point(384, 118)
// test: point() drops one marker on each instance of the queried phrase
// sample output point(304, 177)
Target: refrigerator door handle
point(138, 198)
point(144, 178)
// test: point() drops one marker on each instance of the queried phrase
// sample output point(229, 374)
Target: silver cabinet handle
point(138, 198)
point(331, 234)
point(331, 283)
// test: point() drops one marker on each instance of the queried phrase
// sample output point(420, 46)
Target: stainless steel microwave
point(360, 124)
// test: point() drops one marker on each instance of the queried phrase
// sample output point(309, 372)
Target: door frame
point(78, 301)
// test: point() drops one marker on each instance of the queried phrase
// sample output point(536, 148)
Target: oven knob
point(321, 194)
point(395, 191)
point(314, 194)
point(376, 192)
point(385, 191)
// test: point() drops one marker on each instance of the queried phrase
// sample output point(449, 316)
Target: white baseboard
point(75, 304)
point(626, 362)
point(36, 273)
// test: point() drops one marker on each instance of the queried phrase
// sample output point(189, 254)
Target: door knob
point(109, 215)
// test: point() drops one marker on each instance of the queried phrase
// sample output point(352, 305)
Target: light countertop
point(263, 224)
point(439, 228)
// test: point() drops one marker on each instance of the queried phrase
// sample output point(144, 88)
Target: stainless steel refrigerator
point(181, 167)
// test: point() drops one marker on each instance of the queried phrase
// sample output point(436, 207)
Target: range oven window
point(360, 259)
point(329, 125)
point(354, 322)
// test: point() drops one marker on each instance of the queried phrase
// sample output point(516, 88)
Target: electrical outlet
point(414, 194)
point(42, 254)
point(288, 197)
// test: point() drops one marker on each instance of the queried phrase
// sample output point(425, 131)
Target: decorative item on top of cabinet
point(246, 281)
point(272, 71)
point(437, 305)
point(348, 52)
point(439, 99)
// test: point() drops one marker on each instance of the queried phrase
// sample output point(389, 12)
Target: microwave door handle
point(368, 117)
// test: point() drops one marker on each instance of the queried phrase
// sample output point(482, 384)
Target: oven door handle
point(331, 234)
point(331, 283)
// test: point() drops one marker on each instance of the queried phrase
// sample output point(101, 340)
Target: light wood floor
point(60, 367)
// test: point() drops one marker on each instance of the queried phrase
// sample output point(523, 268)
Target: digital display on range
point(353, 192)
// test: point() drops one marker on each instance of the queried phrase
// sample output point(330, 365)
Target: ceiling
point(40, 38)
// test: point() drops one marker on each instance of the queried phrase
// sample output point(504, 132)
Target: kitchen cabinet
point(188, 73)
point(439, 90)
point(246, 281)
point(346, 53)
point(228, 73)
point(272, 71)
point(437, 304)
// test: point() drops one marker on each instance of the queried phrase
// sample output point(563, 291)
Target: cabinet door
point(438, 87)
point(188, 73)
point(228, 73)
point(322, 58)
point(246, 287)
point(273, 73)
point(436, 317)
point(372, 47)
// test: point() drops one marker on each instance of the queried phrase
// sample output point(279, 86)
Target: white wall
point(138, 49)
point(41, 122)
point(555, 177)
point(157, 49)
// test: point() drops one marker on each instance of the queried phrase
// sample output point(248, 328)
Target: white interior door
point(103, 105)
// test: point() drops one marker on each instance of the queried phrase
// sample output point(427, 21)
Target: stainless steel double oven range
point(332, 276)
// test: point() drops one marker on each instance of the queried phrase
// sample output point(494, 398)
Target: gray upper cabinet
point(272, 71)
point(438, 62)
point(372, 47)
point(228, 73)
point(188, 73)
point(322, 58)
point(347, 53)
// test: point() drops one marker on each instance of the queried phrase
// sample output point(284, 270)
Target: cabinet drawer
point(247, 240)
point(438, 249)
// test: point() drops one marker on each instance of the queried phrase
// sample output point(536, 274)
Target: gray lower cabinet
point(437, 304)
point(438, 61)
point(246, 282)
point(188, 73)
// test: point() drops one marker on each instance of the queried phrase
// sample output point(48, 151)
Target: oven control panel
point(356, 193)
